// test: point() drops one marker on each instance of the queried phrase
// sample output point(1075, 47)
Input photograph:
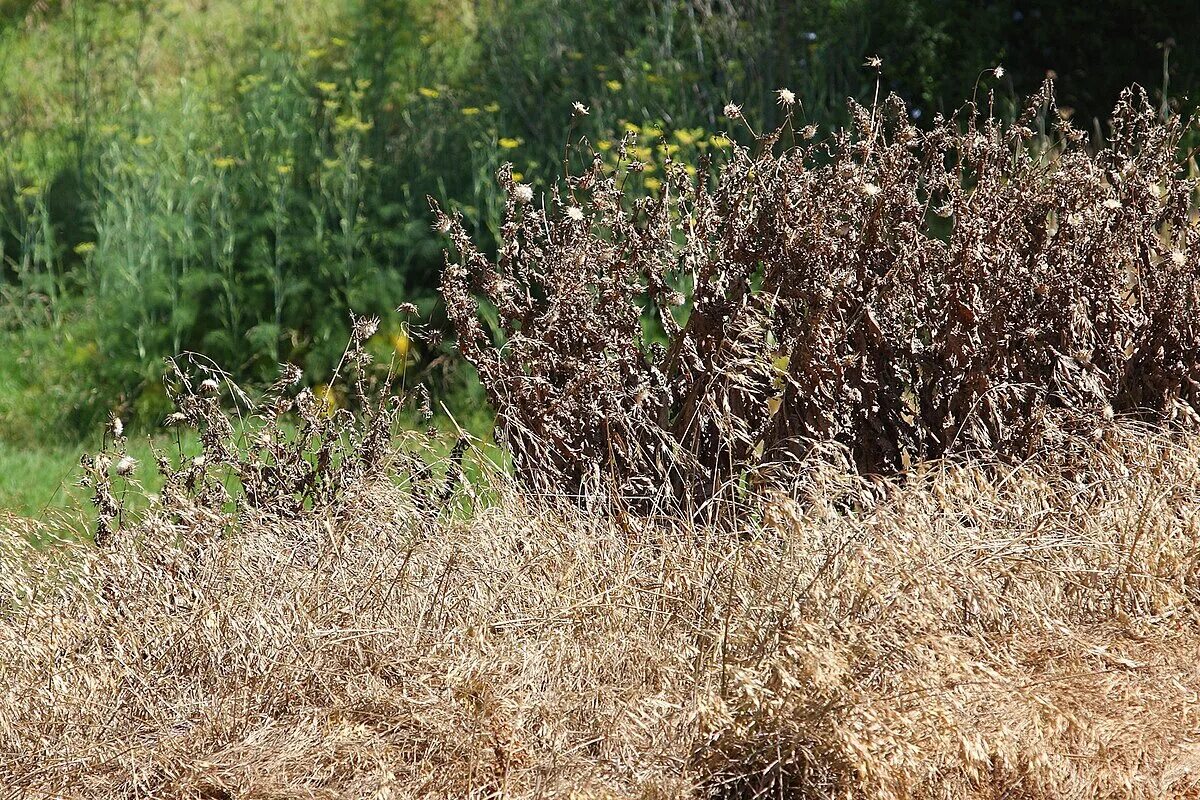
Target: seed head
point(1178, 258)
point(116, 426)
point(998, 71)
point(126, 466)
point(875, 62)
point(575, 213)
point(523, 193)
point(289, 374)
point(364, 328)
point(870, 189)
point(579, 109)
point(209, 386)
point(409, 309)
point(733, 111)
point(786, 97)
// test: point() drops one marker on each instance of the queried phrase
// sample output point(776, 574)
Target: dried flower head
point(364, 328)
point(875, 62)
point(408, 309)
point(733, 111)
point(209, 386)
point(574, 213)
point(579, 109)
point(998, 71)
point(785, 97)
point(523, 193)
point(126, 466)
point(289, 374)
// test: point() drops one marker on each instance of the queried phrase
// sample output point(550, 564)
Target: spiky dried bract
point(906, 294)
point(978, 633)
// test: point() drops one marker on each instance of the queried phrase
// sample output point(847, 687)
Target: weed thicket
point(978, 287)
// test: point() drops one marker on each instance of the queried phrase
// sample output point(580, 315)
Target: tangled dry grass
point(979, 632)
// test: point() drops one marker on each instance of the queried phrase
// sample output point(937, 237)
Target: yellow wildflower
point(470, 111)
point(83, 248)
point(223, 162)
point(327, 398)
point(492, 108)
point(425, 91)
point(509, 143)
point(686, 137)
point(653, 184)
point(351, 122)
point(614, 86)
point(326, 87)
point(144, 141)
point(401, 344)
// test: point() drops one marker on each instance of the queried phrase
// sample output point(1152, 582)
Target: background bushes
point(235, 178)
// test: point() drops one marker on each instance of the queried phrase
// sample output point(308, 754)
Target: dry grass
point(978, 632)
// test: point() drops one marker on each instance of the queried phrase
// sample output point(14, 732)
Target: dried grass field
point(976, 632)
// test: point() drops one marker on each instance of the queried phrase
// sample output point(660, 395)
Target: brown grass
point(978, 632)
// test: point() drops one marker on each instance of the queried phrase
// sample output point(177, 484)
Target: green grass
point(36, 480)
point(39, 480)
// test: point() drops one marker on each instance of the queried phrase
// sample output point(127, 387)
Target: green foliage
point(235, 177)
